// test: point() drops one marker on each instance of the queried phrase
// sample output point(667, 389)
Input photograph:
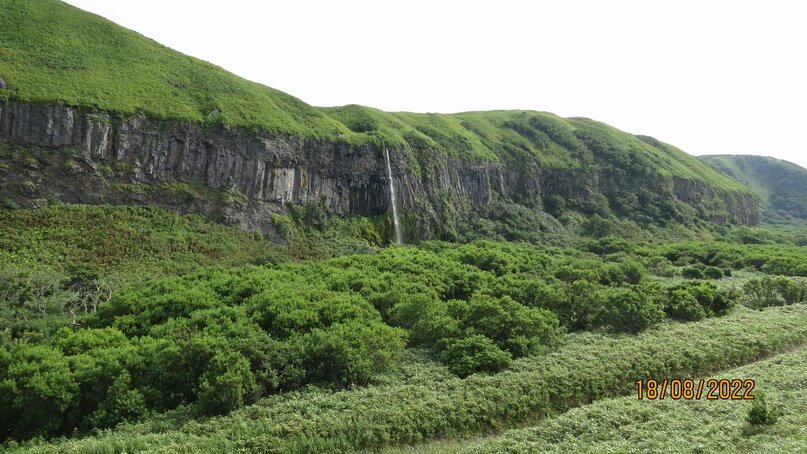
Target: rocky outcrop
point(267, 171)
point(252, 175)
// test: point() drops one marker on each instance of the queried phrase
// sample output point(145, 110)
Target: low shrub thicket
point(589, 367)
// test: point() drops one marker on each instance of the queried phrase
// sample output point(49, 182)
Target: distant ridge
point(781, 185)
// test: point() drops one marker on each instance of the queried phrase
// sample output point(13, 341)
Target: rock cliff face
point(81, 155)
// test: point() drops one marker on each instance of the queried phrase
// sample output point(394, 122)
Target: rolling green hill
point(781, 185)
point(54, 54)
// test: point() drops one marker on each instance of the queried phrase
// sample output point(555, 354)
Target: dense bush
point(217, 339)
point(475, 353)
point(693, 272)
point(762, 413)
point(630, 310)
point(682, 305)
point(695, 300)
point(435, 406)
point(774, 258)
point(774, 291)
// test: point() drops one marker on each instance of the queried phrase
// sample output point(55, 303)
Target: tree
point(684, 306)
point(580, 302)
point(36, 389)
point(225, 384)
point(627, 310)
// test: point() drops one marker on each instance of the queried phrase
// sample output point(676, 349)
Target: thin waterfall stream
point(396, 222)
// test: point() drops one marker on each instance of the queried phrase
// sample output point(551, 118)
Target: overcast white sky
point(707, 76)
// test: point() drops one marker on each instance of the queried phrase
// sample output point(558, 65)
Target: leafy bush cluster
point(696, 300)
point(219, 339)
point(425, 407)
point(774, 291)
point(709, 258)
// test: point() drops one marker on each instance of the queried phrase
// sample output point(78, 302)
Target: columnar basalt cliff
point(244, 177)
point(261, 172)
point(91, 112)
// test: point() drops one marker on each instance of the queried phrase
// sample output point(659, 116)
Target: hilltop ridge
point(109, 98)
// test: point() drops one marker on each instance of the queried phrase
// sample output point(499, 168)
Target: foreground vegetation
point(423, 403)
point(105, 323)
point(629, 425)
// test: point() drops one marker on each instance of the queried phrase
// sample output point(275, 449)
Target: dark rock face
point(268, 171)
point(2, 83)
point(264, 172)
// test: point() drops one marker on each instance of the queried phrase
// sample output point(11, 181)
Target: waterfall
point(396, 222)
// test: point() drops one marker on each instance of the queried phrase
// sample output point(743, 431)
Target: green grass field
point(630, 425)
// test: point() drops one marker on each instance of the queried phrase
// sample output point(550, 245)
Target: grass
point(413, 408)
point(629, 425)
point(53, 52)
point(129, 242)
point(780, 184)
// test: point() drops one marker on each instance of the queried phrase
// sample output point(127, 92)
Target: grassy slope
point(128, 242)
point(781, 185)
point(53, 52)
point(629, 425)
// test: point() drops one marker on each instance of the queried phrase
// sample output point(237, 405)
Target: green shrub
point(348, 353)
point(611, 245)
point(122, 403)
point(762, 413)
point(37, 388)
point(225, 384)
point(774, 291)
point(513, 327)
point(692, 272)
point(629, 310)
point(684, 306)
point(476, 353)
point(713, 302)
point(713, 272)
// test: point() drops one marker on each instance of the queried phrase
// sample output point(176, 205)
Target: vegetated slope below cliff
point(95, 113)
point(781, 185)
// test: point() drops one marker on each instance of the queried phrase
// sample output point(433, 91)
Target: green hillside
point(781, 185)
point(53, 52)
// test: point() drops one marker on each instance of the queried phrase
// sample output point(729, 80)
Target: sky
point(710, 77)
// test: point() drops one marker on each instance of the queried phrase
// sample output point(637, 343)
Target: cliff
point(104, 115)
point(73, 155)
